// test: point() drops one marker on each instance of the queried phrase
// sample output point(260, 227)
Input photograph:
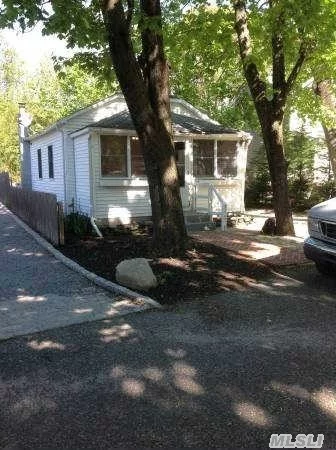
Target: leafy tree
point(326, 91)
point(206, 69)
point(49, 95)
point(143, 80)
point(10, 74)
point(289, 33)
point(9, 150)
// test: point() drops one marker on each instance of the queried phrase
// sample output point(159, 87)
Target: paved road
point(222, 373)
point(37, 292)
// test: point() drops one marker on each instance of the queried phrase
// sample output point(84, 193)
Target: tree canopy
point(48, 95)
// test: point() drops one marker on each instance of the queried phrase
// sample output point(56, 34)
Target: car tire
point(325, 268)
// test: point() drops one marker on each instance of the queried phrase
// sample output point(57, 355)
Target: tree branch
point(129, 14)
point(256, 84)
point(278, 58)
point(296, 69)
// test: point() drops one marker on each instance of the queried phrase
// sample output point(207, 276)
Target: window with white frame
point(227, 159)
point(137, 161)
point(121, 156)
point(203, 158)
point(215, 158)
point(113, 156)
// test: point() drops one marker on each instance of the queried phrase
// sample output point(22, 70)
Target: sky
point(32, 47)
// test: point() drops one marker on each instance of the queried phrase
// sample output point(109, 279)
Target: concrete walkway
point(248, 242)
point(37, 292)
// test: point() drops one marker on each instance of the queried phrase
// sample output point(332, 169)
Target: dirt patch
point(201, 270)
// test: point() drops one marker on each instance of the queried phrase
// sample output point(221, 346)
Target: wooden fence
point(40, 210)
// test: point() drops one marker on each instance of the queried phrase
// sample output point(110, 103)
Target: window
point(137, 161)
point(113, 156)
point(180, 161)
point(227, 159)
point(39, 163)
point(203, 158)
point(51, 161)
point(205, 164)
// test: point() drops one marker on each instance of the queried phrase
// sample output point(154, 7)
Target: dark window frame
point(39, 163)
point(51, 162)
point(180, 147)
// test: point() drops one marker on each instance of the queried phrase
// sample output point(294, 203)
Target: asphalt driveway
point(226, 372)
point(37, 292)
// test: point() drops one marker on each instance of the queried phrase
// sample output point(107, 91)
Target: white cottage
point(92, 161)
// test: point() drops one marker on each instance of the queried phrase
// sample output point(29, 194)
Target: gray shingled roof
point(181, 124)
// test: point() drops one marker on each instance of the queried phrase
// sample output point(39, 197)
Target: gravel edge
point(99, 281)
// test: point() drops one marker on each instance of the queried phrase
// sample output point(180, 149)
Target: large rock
point(136, 274)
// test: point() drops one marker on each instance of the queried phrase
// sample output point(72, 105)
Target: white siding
point(46, 184)
point(107, 201)
point(82, 174)
point(182, 107)
point(116, 203)
point(81, 120)
point(91, 115)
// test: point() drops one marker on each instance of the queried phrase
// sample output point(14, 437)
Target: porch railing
point(216, 203)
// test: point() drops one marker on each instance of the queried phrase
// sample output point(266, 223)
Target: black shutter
point(39, 162)
point(51, 161)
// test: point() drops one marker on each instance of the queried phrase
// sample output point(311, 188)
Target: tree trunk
point(324, 90)
point(146, 91)
point(272, 130)
point(330, 138)
point(271, 111)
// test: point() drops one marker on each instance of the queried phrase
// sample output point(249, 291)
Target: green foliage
point(48, 94)
point(301, 150)
point(206, 70)
point(258, 192)
point(78, 224)
point(202, 50)
point(9, 148)
point(321, 192)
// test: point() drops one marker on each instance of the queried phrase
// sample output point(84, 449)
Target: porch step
point(194, 217)
point(200, 226)
point(198, 222)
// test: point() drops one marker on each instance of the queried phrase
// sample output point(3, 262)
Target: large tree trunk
point(272, 130)
point(330, 138)
point(146, 91)
point(324, 90)
point(271, 111)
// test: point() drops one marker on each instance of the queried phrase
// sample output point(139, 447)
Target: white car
point(320, 246)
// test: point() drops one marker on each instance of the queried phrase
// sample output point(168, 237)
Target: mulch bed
point(201, 270)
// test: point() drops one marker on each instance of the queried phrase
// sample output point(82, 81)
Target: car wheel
point(325, 268)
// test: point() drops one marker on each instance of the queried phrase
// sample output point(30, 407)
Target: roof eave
point(60, 123)
point(234, 136)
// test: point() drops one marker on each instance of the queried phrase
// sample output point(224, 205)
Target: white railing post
point(210, 200)
point(212, 191)
point(224, 217)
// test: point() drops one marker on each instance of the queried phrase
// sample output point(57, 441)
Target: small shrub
point(77, 223)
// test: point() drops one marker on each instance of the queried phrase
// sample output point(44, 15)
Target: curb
point(99, 281)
